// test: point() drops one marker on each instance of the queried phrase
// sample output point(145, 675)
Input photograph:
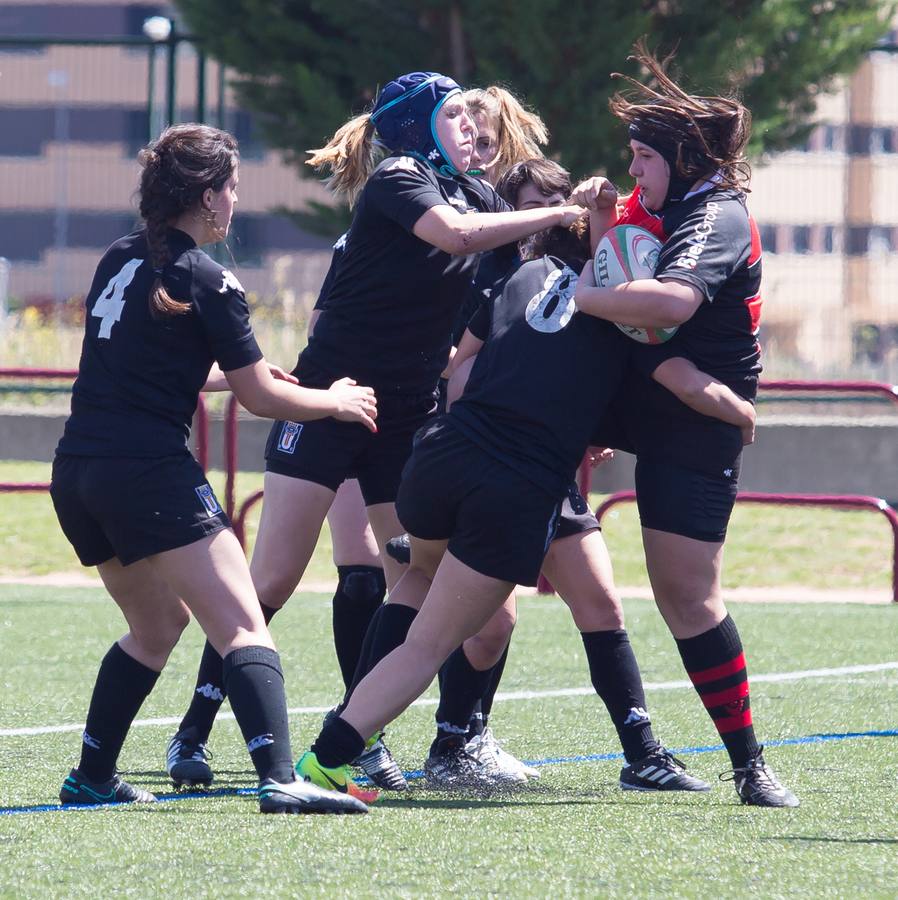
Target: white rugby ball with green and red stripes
point(628, 253)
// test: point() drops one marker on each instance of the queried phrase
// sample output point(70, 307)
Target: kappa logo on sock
point(91, 742)
point(210, 692)
point(735, 707)
point(290, 432)
point(637, 716)
point(262, 740)
point(207, 498)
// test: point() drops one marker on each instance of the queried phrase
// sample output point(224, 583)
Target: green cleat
point(309, 769)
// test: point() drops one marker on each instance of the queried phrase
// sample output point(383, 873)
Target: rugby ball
point(627, 253)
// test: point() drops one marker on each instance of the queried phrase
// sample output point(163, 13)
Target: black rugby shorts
point(576, 516)
point(684, 501)
point(328, 451)
point(496, 521)
point(133, 508)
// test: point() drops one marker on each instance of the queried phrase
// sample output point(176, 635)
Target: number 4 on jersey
point(108, 308)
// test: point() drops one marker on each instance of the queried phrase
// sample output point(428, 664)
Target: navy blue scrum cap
point(405, 114)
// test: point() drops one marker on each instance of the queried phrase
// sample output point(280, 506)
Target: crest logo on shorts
point(207, 498)
point(289, 436)
point(553, 307)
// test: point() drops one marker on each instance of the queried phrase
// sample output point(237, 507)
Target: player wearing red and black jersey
point(687, 159)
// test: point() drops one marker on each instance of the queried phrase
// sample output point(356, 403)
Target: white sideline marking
point(802, 675)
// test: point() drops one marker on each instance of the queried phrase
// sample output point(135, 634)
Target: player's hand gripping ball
point(628, 253)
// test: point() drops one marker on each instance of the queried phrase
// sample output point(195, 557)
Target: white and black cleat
point(756, 784)
point(660, 771)
point(302, 797)
point(187, 760)
point(382, 770)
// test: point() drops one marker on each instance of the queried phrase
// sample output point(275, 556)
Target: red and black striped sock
point(716, 666)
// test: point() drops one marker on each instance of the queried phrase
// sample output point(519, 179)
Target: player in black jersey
point(689, 165)
point(419, 222)
point(160, 316)
point(482, 491)
point(578, 565)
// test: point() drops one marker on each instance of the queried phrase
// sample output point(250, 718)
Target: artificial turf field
point(826, 685)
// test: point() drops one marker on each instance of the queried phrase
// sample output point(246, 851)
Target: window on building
point(882, 140)
point(830, 138)
point(860, 139)
point(879, 241)
point(768, 238)
point(801, 239)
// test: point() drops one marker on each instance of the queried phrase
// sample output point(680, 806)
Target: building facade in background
point(73, 117)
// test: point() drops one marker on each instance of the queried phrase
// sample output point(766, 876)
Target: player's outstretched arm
point(460, 234)
point(217, 380)
point(706, 395)
point(270, 398)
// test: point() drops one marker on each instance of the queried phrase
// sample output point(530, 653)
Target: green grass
point(766, 547)
point(573, 833)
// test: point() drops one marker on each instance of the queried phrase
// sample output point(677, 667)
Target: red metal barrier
point(201, 432)
point(833, 501)
point(888, 391)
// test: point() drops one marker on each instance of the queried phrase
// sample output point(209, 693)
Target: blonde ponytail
point(350, 156)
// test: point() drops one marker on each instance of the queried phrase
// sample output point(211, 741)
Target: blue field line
point(419, 773)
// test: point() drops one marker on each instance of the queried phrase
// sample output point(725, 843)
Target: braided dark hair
point(178, 168)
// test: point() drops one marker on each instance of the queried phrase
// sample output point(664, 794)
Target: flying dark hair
point(178, 168)
point(698, 135)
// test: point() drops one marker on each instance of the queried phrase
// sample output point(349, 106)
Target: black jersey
point(543, 378)
point(140, 376)
point(389, 310)
point(712, 243)
point(331, 274)
point(492, 268)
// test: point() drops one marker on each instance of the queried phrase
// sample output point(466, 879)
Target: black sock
point(338, 743)
point(462, 687)
point(477, 722)
point(121, 687)
point(255, 686)
point(387, 631)
point(716, 666)
point(486, 705)
point(360, 593)
point(209, 693)
point(616, 679)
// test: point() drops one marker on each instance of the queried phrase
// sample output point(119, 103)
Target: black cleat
point(660, 771)
point(77, 789)
point(300, 796)
point(400, 549)
point(186, 760)
point(756, 784)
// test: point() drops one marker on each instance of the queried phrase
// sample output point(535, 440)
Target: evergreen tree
point(303, 66)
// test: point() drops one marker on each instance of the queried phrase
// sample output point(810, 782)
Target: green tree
point(303, 66)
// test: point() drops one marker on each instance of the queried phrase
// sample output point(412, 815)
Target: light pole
point(161, 30)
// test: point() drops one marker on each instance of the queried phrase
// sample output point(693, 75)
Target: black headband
point(673, 146)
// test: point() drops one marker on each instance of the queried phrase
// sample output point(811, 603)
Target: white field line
point(803, 675)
